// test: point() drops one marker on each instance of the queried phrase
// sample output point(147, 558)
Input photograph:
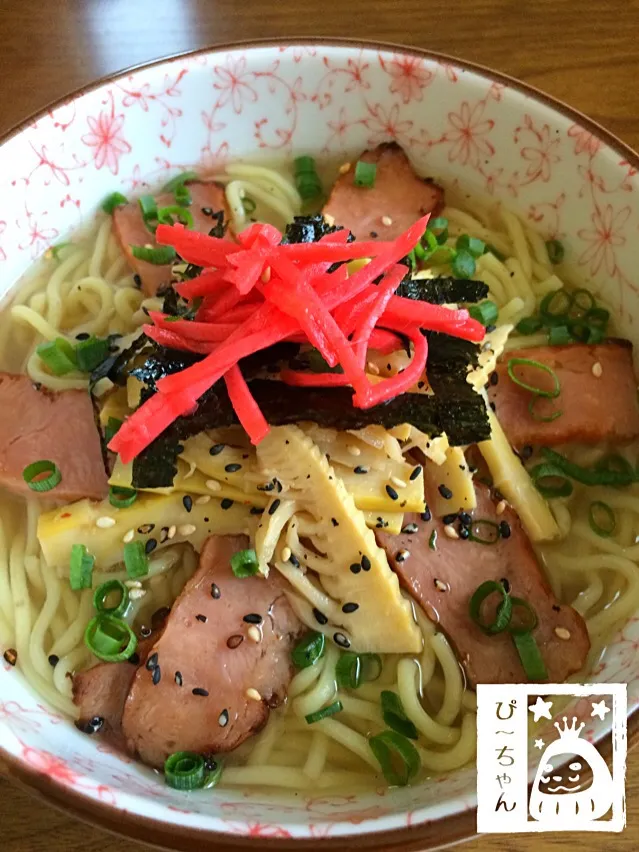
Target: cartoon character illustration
point(564, 792)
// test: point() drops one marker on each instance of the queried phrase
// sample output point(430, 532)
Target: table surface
point(581, 51)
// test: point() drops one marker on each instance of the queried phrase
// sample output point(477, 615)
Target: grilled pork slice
point(207, 684)
point(207, 199)
point(598, 397)
point(36, 424)
point(398, 198)
point(443, 579)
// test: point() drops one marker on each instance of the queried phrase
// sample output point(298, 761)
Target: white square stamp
point(572, 787)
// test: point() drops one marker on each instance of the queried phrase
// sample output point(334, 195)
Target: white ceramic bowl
point(567, 176)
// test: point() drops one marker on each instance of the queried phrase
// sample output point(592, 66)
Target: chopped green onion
point(317, 364)
point(617, 464)
point(503, 612)
point(91, 353)
point(371, 667)
point(591, 476)
point(537, 365)
point(555, 251)
point(485, 312)
point(135, 560)
point(348, 671)
point(597, 317)
point(58, 355)
point(179, 180)
point(365, 174)
point(304, 165)
point(158, 256)
point(530, 656)
point(473, 245)
point(81, 568)
point(551, 481)
point(166, 214)
point(309, 650)
point(331, 710)
point(555, 306)
point(528, 325)
point(248, 204)
point(579, 310)
point(490, 249)
point(110, 639)
point(185, 770)
point(103, 592)
point(491, 536)
point(54, 251)
point(33, 475)
point(149, 210)
point(245, 563)
point(397, 757)
point(558, 335)
point(182, 195)
point(463, 264)
point(122, 498)
point(439, 228)
point(113, 424)
point(423, 252)
point(542, 418)
point(116, 199)
point(307, 180)
point(395, 715)
point(309, 190)
point(432, 540)
point(602, 519)
point(531, 621)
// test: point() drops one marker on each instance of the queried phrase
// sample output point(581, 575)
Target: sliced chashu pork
point(598, 397)
point(211, 686)
point(443, 580)
point(207, 200)
point(36, 424)
point(398, 198)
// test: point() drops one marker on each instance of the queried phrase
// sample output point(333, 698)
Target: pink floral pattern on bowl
point(270, 101)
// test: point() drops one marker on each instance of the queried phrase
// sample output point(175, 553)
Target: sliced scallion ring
point(503, 612)
point(602, 519)
point(537, 365)
point(102, 594)
point(136, 561)
point(473, 245)
point(397, 756)
point(483, 531)
point(599, 475)
point(159, 256)
point(81, 568)
point(485, 312)
point(185, 770)
point(529, 325)
point(324, 713)
point(582, 303)
point(111, 202)
point(122, 498)
point(58, 355)
point(555, 306)
point(463, 264)
point(179, 180)
point(559, 335)
point(91, 353)
point(439, 227)
point(309, 650)
point(42, 475)
point(530, 656)
point(542, 418)
point(110, 639)
point(365, 174)
point(245, 563)
point(348, 671)
point(395, 716)
point(551, 481)
point(555, 251)
point(166, 214)
point(520, 605)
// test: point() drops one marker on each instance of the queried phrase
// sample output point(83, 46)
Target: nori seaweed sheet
point(443, 290)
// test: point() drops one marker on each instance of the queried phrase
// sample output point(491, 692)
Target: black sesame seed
point(145, 632)
point(223, 718)
point(494, 378)
point(504, 529)
point(233, 468)
point(145, 529)
point(216, 449)
point(294, 561)
point(272, 509)
point(556, 608)
point(226, 503)
point(421, 385)
point(450, 519)
point(84, 335)
point(409, 529)
point(11, 656)
point(150, 546)
point(465, 519)
point(207, 211)
point(53, 660)
point(199, 691)
point(91, 726)
point(152, 662)
point(391, 492)
point(157, 674)
point(234, 641)
point(464, 533)
point(319, 616)
point(401, 555)
point(164, 534)
point(341, 640)
point(335, 522)
point(201, 618)
point(187, 502)
point(506, 584)
point(445, 491)
point(416, 471)
point(278, 485)
point(215, 591)
point(356, 568)
point(137, 280)
point(493, 407)
point(373, 234)
point(178, 678)
point(253, 618)
point(360, 469)
point(426, 515)
point(366, 563)
point(350, 607)
point(526, 452)
point(255, 510)
point(134, 659)
point(268, 487)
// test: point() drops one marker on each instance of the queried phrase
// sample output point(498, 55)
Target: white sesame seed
point(136, 594)
point(266, 275)
point(386, 220)
point(286, 553)
point(133, 584)
point(500, 508)
point(398, 482)
point(105, 522)
point(253, 694)
point(172, 531)
point(562, 633)
point(186, 529)
point(450, 531)
point(213, 485)
point(203, 500)
point(403, 555)
point(353, 450)
point(597, 370)
point(344, 168)
point(373, 368)
point(254, 634)
point(128, 536)
point(330, 220)
point(443, 587)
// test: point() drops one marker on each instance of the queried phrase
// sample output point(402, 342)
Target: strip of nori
point(309, 229)
point(443, 290)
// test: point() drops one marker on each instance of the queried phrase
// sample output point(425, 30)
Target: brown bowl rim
point(429, 835)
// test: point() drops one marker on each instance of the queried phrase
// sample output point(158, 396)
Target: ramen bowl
point(473, 128)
